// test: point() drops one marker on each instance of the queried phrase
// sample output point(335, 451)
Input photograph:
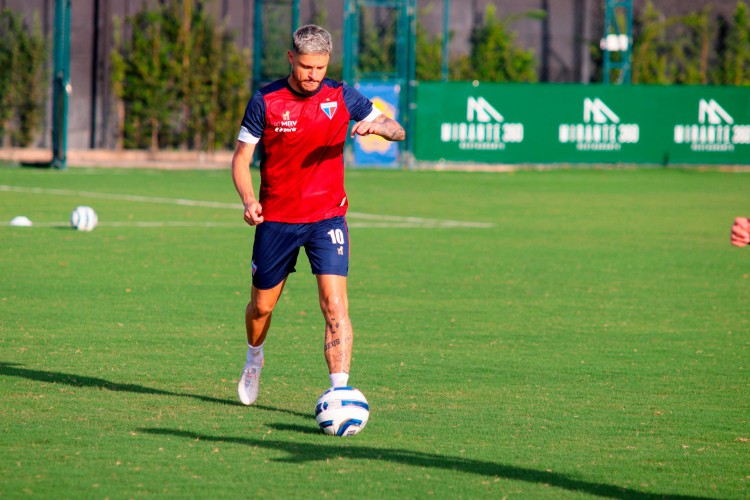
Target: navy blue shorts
point(277, 245)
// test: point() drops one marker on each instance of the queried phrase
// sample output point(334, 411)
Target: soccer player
point(741, 232)
point(301, 123)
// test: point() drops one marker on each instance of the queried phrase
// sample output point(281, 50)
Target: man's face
point(308, 71)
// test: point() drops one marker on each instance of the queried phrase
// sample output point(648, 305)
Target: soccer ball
point(83, 219)
point(342, 411)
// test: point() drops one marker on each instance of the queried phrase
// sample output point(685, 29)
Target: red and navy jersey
point(302, 145)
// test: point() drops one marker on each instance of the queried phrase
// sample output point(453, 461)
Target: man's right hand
point(253, 213)
point(741, 232)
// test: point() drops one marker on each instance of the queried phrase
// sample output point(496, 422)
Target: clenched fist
point(741, 232)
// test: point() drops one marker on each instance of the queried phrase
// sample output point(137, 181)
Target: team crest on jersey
point(329, 108)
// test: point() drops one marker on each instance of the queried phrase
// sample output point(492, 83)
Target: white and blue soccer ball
point(83, 218)
point(342, 411)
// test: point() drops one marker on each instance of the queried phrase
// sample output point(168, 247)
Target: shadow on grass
point(306, 452)
point(312, 428)
point(16, 370)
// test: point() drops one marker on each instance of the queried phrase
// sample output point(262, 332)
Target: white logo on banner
point(713, 113)
point(483, 111)
point(715, 130)
point(598, 112)
point(484, 128)
point(601, 129)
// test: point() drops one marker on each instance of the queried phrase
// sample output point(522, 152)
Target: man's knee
point(258, 309)
point(334, 306)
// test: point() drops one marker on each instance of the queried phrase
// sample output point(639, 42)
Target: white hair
point(312, 39)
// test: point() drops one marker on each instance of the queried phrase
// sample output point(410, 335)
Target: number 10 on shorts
point(337, 236)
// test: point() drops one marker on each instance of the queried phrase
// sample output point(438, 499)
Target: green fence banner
point(550, 123)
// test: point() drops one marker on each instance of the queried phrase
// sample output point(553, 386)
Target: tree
point(276, 42)
point(319, 16)
point(735, 69)
point(692, 49)
point(672, 50)
point(232, 93)
point(118, 69)
point(180, 79)
point(678, 50)
point(8, 56)
point(23, 79)
point(149, 85)
point(650, 49)
point(429, 56)
point(495, 55)
point(377, 43)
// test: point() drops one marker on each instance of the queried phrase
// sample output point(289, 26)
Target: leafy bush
point(429, 57)
point(180, 80)
point(23, 79)
point(735, 69)
point(681, 49)
point(495, 55)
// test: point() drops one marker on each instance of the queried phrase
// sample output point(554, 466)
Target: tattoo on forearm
point(391, 130)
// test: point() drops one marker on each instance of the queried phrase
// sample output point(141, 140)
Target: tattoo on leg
point(332, 343)
point(333, 326)
point(338, 343)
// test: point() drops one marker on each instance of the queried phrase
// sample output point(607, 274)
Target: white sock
point(254, 355)
point(339, 379)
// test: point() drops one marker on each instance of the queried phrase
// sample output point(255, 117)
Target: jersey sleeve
point(360, 107)
point(254, 120)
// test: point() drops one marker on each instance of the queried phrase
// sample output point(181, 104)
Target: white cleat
point(248, 386)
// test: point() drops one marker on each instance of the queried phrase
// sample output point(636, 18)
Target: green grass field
point(573, 333)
